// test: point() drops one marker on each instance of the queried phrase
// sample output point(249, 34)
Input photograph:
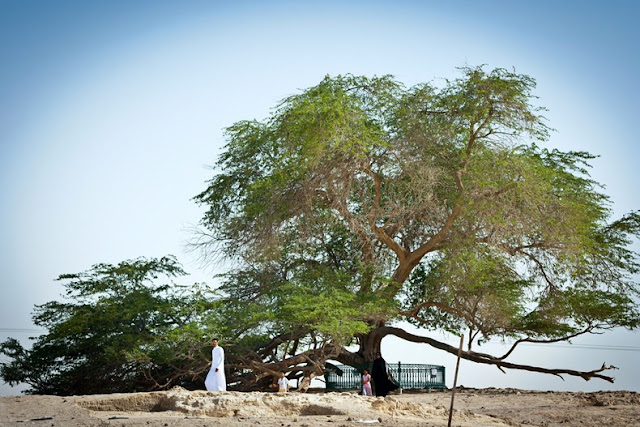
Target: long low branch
point(307, 363)
point(586, 330)
point(500, 364)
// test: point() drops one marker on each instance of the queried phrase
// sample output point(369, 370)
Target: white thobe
point(216, 381)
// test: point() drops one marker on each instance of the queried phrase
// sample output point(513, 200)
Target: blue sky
point(111, 111)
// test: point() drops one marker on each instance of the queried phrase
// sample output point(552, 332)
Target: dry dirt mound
point(612, 398)
point(235, 404)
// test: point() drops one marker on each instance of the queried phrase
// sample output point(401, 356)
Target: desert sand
point(182, 408)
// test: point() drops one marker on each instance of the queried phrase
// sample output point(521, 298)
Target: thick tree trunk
point(369, 345)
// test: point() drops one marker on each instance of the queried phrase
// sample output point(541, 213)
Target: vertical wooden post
point(455, 379)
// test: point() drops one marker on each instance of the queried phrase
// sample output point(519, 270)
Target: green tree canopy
point(360, 203)
point(122, 328)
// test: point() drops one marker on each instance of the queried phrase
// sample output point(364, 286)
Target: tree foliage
point(360, 203)
point(122, 328)
point(357, 205)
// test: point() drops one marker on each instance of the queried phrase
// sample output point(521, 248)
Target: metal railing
point(406, 375)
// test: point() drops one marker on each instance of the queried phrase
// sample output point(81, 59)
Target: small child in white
point(283, 383)
point(366, 383)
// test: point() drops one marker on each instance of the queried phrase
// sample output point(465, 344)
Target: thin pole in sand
point(455, 379)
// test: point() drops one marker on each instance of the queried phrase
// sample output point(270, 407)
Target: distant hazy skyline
point(111, 113)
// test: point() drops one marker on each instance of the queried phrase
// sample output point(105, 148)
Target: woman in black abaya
point(381, 381)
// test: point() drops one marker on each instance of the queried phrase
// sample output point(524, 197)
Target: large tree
point(360, 203)
point(121, 328)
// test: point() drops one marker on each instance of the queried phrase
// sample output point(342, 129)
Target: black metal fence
point(406, 375)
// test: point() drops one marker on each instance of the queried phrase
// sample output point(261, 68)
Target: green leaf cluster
point(122, 328)
point(435, 203)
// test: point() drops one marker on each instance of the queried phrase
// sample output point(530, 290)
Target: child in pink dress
point(366, 383)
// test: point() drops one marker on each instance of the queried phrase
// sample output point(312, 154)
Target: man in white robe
point(216, 381)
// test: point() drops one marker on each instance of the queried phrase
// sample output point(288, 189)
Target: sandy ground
point(181, 408)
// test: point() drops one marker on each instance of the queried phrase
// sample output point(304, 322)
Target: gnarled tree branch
point(500, 364)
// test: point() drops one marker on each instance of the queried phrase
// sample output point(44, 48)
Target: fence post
point(455, 379)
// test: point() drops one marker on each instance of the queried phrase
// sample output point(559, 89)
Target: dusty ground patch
point(181, 408)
